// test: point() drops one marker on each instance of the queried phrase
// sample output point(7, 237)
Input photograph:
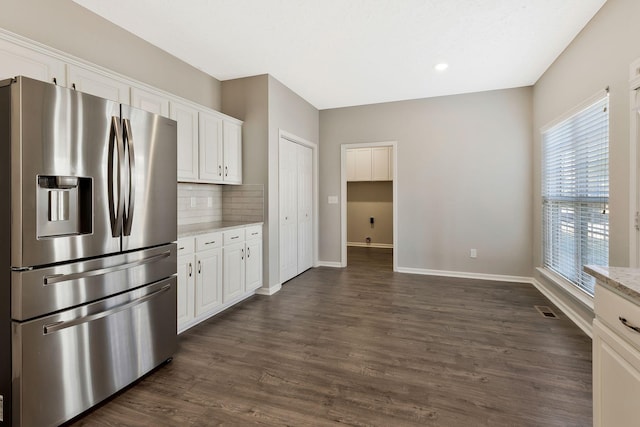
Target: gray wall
point(266, 106)
point(464, 178)
point(248, 100)
point(66, 26)
point(598, 57)
point(366, 200)
point(290, 113)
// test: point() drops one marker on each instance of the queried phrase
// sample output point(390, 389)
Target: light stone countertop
point(622, 280)
point(210, 227)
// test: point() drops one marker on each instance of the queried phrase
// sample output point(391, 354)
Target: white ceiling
point(337, 53)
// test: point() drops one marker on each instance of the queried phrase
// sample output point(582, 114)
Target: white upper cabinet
point(232, 152)
point(209, 142)
point(369, 164)
point(187, 119)
point(20, 61)
point(211, 147)
point(220, 149)
point(152, 102)
point(98, 84)
point(381, 164)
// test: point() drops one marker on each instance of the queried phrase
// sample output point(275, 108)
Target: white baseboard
point(465, 275)
point(371, 245)
point(568, 311)
point(270, 290)
point(331, 264)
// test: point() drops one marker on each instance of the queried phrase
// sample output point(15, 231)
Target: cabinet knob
point(242, 252)
point(190, 269)
point(219, 170)
point(226, 171)
point(199, 267)
point(248, 252)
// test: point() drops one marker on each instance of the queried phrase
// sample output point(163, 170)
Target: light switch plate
point(332, 200)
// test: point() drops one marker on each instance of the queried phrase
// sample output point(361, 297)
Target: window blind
point(575, 194)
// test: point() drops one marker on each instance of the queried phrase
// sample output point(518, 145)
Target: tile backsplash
point(200, 203)
point(243, 202)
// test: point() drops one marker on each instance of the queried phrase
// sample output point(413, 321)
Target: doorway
point(369, 187)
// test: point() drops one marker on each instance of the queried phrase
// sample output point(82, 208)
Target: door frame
point(343, 195)
point(282, 134)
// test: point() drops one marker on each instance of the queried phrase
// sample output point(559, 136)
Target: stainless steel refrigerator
point(87, 221)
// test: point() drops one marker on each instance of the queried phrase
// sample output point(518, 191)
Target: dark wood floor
point(366, 346)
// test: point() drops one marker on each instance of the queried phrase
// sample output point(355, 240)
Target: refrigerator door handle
point(116, 207)
point(57, 278)
point(56, 326)
point(128, 216)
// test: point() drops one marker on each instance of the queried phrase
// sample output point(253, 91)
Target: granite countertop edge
point(622, 280)
point(189, 230)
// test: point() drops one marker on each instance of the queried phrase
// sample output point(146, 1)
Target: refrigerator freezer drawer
point(45, 290)
point(67, 362)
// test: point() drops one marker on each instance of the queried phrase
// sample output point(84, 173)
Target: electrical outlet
point(473, 253)
point(193, 202)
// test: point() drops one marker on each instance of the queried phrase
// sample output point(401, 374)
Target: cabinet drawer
point(186, 246)
point(253, 232)
point(611, 307)
point(233, 236)
point(208, 241)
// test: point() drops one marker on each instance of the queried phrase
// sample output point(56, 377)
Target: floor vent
point(545, 311)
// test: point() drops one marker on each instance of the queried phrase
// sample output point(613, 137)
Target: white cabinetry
point(186, 281)
point(210, 140)
point(217, 270)
point(616, 360)
point(253, 258)
point(220, 151)
point(16, 60)
point(98, 84)
point(187, 119)
point(153, 102)
point(369, 164)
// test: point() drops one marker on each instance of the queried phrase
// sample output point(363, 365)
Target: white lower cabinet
point(217, 270)
point(208, 280)
point(616, 360)
point(233, 282)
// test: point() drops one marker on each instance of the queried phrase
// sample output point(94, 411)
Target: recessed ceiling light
point(441, 66)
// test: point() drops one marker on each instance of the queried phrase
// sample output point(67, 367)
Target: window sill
point(567, 286)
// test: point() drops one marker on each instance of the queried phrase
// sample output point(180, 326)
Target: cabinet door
point(208, 280)
point(150, 101)
point(19, 61)
point(187, 119)
point(234, 264)
point(362, 164)
point(380, 164)
point(616, 379)
point(305, 208)
point(186, 289)
point(351, 165)
point(253, 265)
point(97, 84)
point(210, 138)
point(232, 134)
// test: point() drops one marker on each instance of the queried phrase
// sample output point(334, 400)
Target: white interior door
point(296, 209)
point(288, 210)
point(305, 207)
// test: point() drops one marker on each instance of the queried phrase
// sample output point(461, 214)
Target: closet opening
point(369, 188)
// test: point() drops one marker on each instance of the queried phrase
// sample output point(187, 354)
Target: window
point(575, 193)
